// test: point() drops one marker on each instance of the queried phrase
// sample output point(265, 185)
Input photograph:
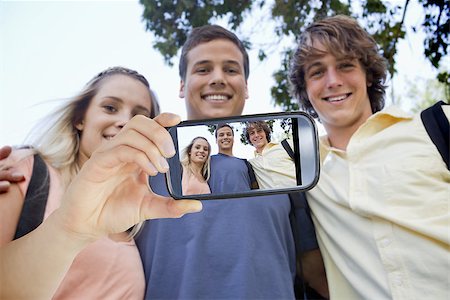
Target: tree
point(434, 90)
point(170, 21)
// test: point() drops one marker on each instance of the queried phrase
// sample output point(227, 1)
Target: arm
point(313, 271)
point(310, 258)
point(7, 176)
point(109, 195)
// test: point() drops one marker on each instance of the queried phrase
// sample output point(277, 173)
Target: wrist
point(60, 227)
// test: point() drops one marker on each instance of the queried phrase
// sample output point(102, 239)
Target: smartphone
point(270, 154)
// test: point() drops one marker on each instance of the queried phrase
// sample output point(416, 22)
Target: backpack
point(437, 126)
point(35, 201)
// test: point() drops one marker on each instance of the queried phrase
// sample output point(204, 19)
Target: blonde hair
point(57, 139)
point(186, 158)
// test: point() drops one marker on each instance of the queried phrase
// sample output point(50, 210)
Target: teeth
point(337, 98)
point(216, 97)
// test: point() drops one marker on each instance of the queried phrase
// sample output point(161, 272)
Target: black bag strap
point(288, 148)
point(437, 126)
point(251, 173)
point(297, 200)
point(35, 201)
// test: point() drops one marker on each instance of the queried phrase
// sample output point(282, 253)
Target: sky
point(50, 49)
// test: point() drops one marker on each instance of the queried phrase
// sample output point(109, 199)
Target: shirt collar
point(376, 122)
point(267, 147)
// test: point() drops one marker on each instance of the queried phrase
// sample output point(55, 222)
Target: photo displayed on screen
point(238, 156)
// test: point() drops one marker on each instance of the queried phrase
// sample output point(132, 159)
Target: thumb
point(166, 207)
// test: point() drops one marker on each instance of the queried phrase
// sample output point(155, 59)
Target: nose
point(122, 119)
point(333, 78)
point(217, 78)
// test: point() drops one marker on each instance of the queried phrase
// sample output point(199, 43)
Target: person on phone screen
point(274, 167)
point(241, 176)
point(195, 161)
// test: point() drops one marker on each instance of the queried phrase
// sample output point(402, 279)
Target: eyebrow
point(310, 66)
point(202, 62)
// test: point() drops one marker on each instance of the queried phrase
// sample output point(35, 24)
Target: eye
point(142, 112)
point(201, 70)
point(232, 70)
point(110, 108)
point(315, 73)
point(347, 65)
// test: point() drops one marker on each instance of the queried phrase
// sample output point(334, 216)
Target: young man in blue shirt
point(237, 248)
point(231, 174)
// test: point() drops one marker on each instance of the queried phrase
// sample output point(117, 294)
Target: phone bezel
point(174, 186)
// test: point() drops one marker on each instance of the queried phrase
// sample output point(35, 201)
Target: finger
point(4, 186)
point(167, 119)
point(152, 131)
point(165, 207)
point(5, 151)
point(136, 141)
point(155, 130)
point(104, 165)
point(11, 176)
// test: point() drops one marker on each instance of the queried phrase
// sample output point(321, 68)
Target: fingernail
point(16, 174)
point(152, 168)
point(4, 184)
point(164, 164)
point(169, 149)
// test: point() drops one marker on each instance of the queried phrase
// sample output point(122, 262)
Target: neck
point(340, 137)
point(196, 168)
point(81, 159)
point(260, 149)
point(228, 152)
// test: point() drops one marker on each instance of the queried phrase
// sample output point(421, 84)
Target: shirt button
point(385, 242)
point(398, 280)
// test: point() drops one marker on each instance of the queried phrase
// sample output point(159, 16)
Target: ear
point(369, 83)
point(181, 94)
point(80, 126)
point(246, 91)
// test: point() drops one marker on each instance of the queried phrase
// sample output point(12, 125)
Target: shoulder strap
point(251, 173)
point(437, 126)
point(35, 201)
point(288, 148)
point(297, 200)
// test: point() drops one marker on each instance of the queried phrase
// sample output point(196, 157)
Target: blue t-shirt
point(235, 248)
point(230, 174)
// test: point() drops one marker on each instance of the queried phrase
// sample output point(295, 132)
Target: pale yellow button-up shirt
point(274, 167)
point(381, 211)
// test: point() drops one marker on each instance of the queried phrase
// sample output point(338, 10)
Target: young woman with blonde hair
point(196, 167)
point(110, 267)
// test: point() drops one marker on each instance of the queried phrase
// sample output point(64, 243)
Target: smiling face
point(258, 138)
point(225, 139)
point(215, 84)
point(337, 89)
point(118, 99)
point(199, 152)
